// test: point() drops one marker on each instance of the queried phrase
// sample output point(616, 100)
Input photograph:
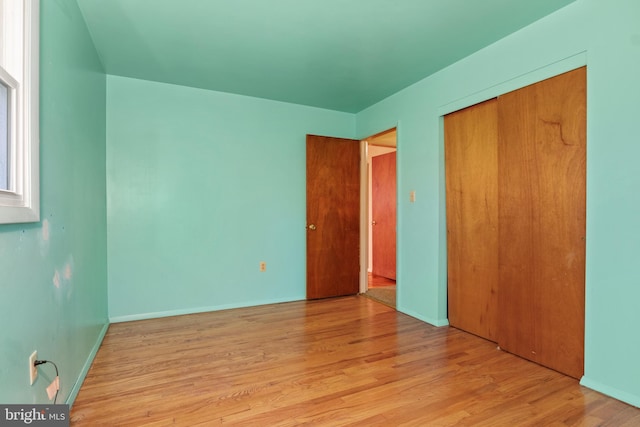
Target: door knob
point(373, 223)
point(312, 227)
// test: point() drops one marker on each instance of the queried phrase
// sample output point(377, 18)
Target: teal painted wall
point(202, 186)
point(53, 290)
point(606, 37)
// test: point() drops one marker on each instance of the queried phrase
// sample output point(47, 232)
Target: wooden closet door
point(471, 162)
point(541, 199)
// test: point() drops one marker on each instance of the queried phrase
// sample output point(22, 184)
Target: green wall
point(202, 186)
point(606, 37)
point(53, 290)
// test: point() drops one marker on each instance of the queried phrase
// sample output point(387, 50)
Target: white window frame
point(19, 70)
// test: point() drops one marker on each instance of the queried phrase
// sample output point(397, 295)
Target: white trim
point(364, 216)
point(22, 202)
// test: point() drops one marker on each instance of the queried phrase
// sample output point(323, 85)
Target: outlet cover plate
point(33, 370)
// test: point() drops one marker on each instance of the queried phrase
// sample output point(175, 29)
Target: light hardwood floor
point(379, 281)
point(344, 361)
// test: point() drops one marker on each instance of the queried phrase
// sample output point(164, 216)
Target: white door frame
point(365, 167)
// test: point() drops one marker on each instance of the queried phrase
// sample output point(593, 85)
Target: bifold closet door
point(471, 157)
point(541, 206)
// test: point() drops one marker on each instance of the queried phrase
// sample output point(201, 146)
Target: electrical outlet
point(33, 370)
point(263, 266)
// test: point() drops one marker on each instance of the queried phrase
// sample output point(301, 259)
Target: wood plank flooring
point(375, 281)
point(335, 362)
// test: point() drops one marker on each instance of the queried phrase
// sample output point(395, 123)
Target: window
point(19, 120)
point(4, 136)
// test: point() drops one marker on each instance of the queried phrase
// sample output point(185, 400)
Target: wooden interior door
point(541, 199)
point(333, 216)
point(383, 207)
point(471, 157)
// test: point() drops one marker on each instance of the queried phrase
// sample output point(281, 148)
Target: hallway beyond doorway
point(382, 289)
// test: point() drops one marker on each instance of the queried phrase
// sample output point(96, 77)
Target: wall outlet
point(33, 370)
point(263, 266)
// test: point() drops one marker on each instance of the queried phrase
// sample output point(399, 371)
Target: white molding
point(364, 217)
point(22, 203)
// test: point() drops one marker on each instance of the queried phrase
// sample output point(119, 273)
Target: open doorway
point(381, 217)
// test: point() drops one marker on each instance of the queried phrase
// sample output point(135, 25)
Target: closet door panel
point(541, 199)
point(471, 158)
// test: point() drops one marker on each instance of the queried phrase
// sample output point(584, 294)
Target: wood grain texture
point(542, 157)
point(383, 206)
point(333, 207)
point(471, 157)
point(333, 362)
point(374, 281)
